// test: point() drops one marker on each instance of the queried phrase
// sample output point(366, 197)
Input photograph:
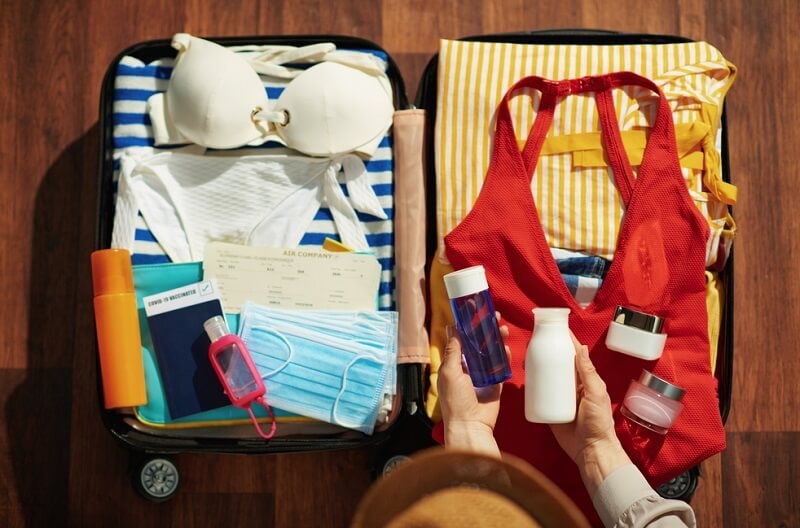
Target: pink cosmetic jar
point(652, 402)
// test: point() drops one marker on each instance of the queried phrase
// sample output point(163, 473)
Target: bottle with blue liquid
point(481, 342)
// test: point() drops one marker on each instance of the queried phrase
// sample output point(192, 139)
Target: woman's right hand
point(590, 440)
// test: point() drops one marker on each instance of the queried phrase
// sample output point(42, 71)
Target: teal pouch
point(149, 279)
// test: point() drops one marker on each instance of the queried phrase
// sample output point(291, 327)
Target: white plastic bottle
point(550, 368)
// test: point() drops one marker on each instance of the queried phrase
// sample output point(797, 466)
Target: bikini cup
point(216, 99)
point(333, 109)
point(212, 95)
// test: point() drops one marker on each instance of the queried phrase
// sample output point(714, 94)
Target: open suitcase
point(562, 46)
point(148, 430)
point(411, 243)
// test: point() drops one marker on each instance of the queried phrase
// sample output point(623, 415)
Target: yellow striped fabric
point(574, 190)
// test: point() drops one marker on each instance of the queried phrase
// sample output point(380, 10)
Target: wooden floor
point(59, 465)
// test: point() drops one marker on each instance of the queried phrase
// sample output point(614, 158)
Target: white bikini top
point(215, 98)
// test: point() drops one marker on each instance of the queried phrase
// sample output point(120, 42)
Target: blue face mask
point(332, 366)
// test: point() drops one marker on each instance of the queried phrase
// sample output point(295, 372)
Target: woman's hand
point(590, 440)
point(469, 413)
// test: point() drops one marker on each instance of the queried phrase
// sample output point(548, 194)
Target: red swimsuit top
point(658, 268)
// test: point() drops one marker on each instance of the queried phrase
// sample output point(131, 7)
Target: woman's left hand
point(469, 413)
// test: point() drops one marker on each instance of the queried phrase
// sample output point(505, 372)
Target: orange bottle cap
point(112, 271)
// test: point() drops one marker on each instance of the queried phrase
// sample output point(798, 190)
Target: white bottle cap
point(466, 282)
point(550, 315)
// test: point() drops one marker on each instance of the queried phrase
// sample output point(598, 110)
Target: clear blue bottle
point(481, 342)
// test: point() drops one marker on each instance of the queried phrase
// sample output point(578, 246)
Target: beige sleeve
point(626, 500)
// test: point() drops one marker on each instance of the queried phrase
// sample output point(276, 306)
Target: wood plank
point(760, 484)
point(416, 26)
point(333, 18)
point(707, 500)
point(59, 464)
point(34, 446)
point(762, 135)
point(320, 488)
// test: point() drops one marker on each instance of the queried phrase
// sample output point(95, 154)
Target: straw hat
point(440, 488)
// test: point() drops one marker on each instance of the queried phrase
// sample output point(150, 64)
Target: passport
point(175, 319)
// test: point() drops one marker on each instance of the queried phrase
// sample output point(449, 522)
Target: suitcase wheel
point(392, 463)
point(681, 487)
point(156, 479)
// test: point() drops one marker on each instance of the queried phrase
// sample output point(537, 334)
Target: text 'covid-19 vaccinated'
point(550, 368)
point(476, 321)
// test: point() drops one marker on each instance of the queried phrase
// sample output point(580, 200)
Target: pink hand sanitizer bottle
point(236, 371)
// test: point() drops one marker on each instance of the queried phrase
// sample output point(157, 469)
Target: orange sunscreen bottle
point(117, 321)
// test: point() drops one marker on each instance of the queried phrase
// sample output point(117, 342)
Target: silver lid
point(641, 320)
point(216, 327)
point(650, 380)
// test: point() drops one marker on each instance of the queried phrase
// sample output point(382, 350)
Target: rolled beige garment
point(410, 235)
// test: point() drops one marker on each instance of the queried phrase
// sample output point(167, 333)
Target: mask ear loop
point(344, 386)
point(288, 359)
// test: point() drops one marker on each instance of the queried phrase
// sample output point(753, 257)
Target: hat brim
point(436, 469)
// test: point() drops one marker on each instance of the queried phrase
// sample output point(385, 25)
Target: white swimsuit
point(256, 199)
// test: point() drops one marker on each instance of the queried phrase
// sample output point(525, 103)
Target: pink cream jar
point(652, 402)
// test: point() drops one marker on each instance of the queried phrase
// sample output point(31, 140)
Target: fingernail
point(450, 331)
